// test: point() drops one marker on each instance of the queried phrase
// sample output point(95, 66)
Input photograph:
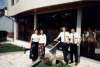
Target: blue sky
point(2, 3)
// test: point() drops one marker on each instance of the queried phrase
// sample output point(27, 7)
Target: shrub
point(3, 36)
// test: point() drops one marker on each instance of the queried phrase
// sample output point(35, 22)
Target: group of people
point(88, 43)
point(38, 42)
point(68, 40)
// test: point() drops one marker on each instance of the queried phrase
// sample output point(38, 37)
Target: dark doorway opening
point(25, 27)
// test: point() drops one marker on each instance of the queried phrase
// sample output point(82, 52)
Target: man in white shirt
point(64, 35)
point(74, 41)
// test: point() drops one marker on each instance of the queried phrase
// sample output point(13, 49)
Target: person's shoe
point(76, 64)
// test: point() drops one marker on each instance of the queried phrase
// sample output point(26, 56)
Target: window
point(1, 12)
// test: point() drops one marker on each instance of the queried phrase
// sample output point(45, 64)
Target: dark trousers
point(34, 51)
point(91, 49)
point(74, 52)
point(65, 47)
point(84, 49)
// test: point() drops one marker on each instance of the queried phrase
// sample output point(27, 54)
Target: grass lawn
point(58, 65)
point(10, 48)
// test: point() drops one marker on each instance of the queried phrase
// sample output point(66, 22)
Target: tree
point(2, 12)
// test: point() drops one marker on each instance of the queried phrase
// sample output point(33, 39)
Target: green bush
point(3, 36)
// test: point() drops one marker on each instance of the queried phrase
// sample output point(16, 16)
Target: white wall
point(24, 5)
point(6, 24)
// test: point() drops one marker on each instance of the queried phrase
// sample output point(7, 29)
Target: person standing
point(42, 44)
point(74, 41)
point(84, 45)
point(91, 41)
point(34, 45)
point(64, 35)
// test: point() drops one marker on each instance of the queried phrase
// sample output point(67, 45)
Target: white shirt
point(64, 37)
point(74, 38)
point(35, 38)
point(87, 34)
point(42, 39)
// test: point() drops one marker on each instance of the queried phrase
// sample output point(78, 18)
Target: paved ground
point(15, 59)
point(19, 59)
point(86, 62)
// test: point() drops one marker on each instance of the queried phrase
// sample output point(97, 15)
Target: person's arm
point(31, 42)
point(57, 37)
point(45, 40)
point(79, 38)
point(83, 37)
point(94, 35)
